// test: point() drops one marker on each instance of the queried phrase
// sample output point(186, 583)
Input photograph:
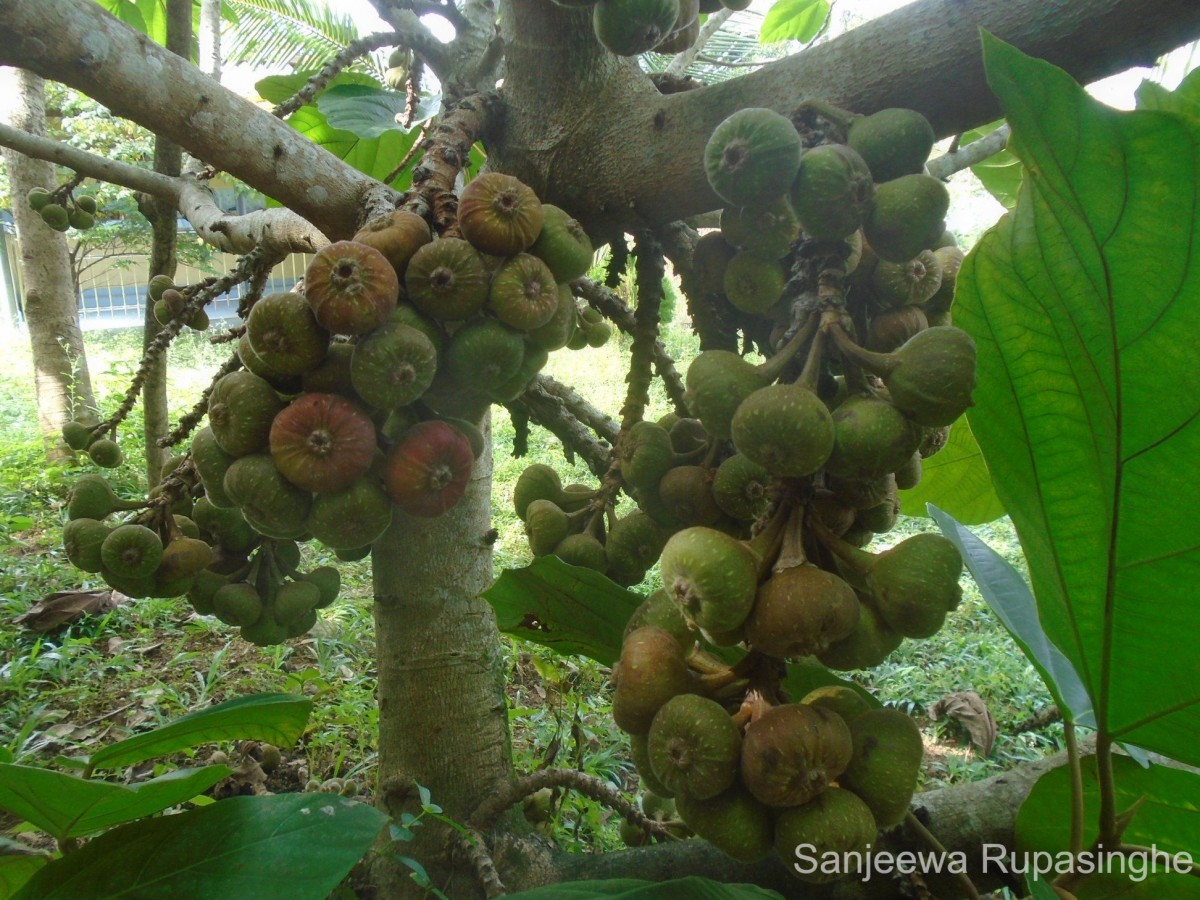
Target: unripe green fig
point(37, 198)
point(694, 747)
point(733, 822)
point(885, 763)
point(834, 822)
point(908, 216)
point(106, 453)
point(832, 192)
point(785, 428)
point(752, 156)
point(56, 216)
point(893, 142)
point(712, 576)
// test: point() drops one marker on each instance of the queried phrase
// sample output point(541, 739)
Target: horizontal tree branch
point(280, 231)
point(78, 43)
point(963, 817)
point(975, 152)
point(644, 167)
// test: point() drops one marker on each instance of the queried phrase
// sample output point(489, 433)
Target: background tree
point(64, 388)
point(442, 713)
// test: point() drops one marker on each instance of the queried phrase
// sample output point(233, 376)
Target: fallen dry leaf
point(63, 607)
point(968, 708)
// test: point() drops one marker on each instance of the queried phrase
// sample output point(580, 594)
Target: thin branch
point(541, 406)
point(680, 63)
point(927, 837)
point(327, 72)
point(648, 255)
point(588, 785)
point(606, 302)
point(414, 34)
point(965, 157)
point(596, 419)
point(417, 147)
point(278, 230)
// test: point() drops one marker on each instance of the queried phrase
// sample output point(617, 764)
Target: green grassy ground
point(91, 682)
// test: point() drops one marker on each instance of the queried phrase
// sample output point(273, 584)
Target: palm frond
point(296, 33)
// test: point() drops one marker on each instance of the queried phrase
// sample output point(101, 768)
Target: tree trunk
point(210, 38)
point(64, 388)
point(168, 160)
point(443, 721)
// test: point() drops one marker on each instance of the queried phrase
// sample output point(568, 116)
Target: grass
point(73, 690)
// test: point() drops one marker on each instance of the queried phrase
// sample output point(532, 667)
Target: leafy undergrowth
point(141, 664)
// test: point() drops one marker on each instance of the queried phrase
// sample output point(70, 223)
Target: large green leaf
point(15, 870)
point(794, 20)
point(1168, 816)
point(956, 479)
point(569, 609)
point(692, 888)
point(282, 847)
point(277, 88)
point(1082, 302)
point(1001, 172)
point(1185, 99)
point(1006, 592)
point(376, 157)
point(66, 806)
point(275, 718)
point(366, 111)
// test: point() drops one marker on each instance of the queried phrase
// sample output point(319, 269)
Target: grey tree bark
point(61, 379)
point(168, 160)
point(210, 39)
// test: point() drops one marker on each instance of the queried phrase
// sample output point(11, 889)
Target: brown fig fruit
point(650, 672)
point(397, 235)
point(869, 644)
point(892, 327)
point(322, 442)
point(447, 279)
point(694, 747)
point(286, 335)
point(791, 753)
point(686, 492)
point(499, 214)
point(801, 611)
point(428, 469)
point(351, 287)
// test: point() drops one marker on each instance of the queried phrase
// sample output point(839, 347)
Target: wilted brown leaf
point(63, 607)
point(968, 708)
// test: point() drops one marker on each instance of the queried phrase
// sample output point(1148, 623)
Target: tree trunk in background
point(210, 38)
point(64, 388)
point(168, 159)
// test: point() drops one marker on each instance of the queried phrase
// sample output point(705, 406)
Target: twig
point(684, 59)
point(418, 144)
point(606, 302)
point(591, 416)
point(588, 785)
point(327, 72)
point(1046, 716)
point(1077, 807)
point(412, 92)
point(549, 411)
point(650, 267)
point(716, 333)
point(928, 838)
point(965, 157)
point(199, 297)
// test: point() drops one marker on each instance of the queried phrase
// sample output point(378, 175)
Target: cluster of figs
point(345, 408)
point(61, 209)
point(632, 27)
point(759, 504)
